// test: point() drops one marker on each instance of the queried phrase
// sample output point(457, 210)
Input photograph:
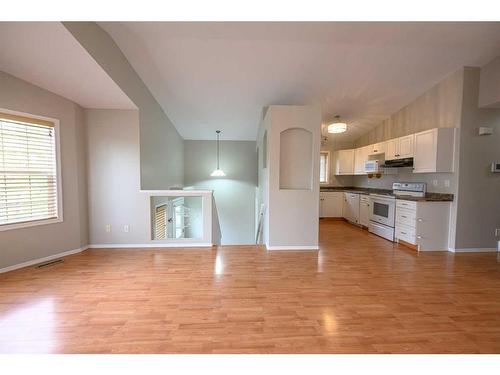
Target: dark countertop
point(429, 197)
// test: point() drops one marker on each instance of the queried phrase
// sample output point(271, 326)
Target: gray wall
point(478, 194)
point(113, 170)
point(20, 245)
point(161, 145)
point(234, 194)
point(489, 88)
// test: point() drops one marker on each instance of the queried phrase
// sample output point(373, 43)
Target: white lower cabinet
point(364, 210)
point(350, 209)
point(424, 224)
point(330, 203)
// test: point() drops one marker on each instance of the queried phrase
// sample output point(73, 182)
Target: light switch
point(447, 183)
point(108, 228)
point(435, 182)
point(126, 228)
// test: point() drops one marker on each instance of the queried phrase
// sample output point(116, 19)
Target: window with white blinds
point(324, 166)
point(28, 171)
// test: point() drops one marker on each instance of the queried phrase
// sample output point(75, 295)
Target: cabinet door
point(425, 152)
point(345, 207)
point(391, 149)
point(345, 162)
point(377, 148)
point(353, 207)
point(364, 212)
point(405, 146)
point(331, 204)
point(360, 156)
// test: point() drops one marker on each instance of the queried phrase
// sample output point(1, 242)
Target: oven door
point(382, 211)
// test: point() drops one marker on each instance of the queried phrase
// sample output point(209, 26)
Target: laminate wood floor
point(358, 294)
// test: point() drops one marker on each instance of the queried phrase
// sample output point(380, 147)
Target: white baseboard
point(474, 250)
point(149, 245)
point(42, 260)
point(292, 248)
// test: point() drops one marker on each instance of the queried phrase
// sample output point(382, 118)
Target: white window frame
point(327, 167)
point(60, 210)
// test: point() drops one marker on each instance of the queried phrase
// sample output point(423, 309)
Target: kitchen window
point(30, 182)
point(324, 167)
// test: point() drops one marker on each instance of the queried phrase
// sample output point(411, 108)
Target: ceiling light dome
point(337, 126)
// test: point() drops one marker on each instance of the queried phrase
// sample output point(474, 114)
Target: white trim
point(31, 223)
point(474, 250)
point(42, 260)
point(292, 248)
point(176, 192)
point(149, 245)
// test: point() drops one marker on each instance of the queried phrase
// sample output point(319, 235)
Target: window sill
point(28, 224)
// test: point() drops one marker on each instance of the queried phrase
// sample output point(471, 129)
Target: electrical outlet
point(435, 182)
point(497, 232)
point(447, 183)
point(108, 228)
point(126, 228)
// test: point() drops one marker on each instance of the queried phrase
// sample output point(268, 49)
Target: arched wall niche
point(296, 159)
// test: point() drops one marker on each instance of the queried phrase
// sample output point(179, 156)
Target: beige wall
point(21, 245)
point(234, 194)
point(478, 213)
point(291, 215)
point(161, 145)
point(489, 88)
point(113, 164)
point(439, 107)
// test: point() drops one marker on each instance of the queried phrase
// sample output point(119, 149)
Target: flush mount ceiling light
point(337, 126)
point(218, 172)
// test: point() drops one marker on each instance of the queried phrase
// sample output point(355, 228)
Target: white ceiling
point(47, 55)
point(210, 76)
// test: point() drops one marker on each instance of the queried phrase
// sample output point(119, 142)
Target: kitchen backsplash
point(436, 182)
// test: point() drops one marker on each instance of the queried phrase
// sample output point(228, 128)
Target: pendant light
point(218, 172)
point(337, 126)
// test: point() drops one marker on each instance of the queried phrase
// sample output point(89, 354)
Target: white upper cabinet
point(434, 151)
point(399, 148)
point(391, 149)
point(360, 156)
point(405, 146)
point(344, 162)
point(377, 148)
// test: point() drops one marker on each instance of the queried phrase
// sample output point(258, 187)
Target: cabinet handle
point(420, 220)
point(404, 233)
point(404, 216)
point(375, 150)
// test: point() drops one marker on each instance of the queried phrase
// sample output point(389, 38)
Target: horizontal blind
point(161, 222)
point(28, 171)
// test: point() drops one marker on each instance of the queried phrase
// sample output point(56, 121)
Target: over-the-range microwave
point(373, 166)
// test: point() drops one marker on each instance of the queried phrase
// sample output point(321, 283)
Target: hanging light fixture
point(218, 172)
point(337, 126)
